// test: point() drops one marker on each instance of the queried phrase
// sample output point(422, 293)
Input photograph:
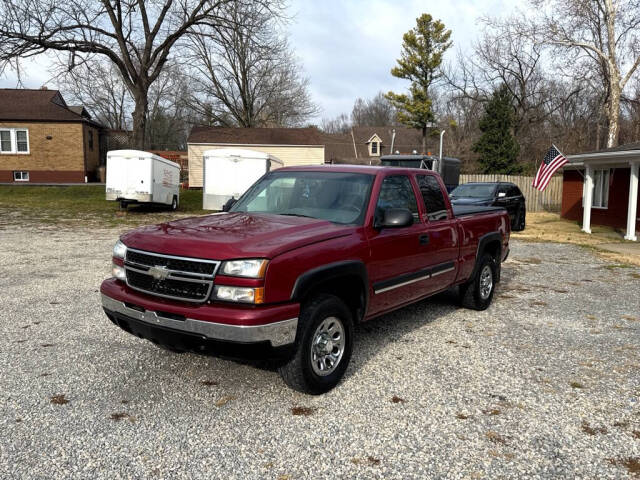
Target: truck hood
point(224, 236)
point(471, 201)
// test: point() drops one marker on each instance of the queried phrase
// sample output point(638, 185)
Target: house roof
point(623, 154)
point(36, 105)
point(255, 136)
point(339, 146)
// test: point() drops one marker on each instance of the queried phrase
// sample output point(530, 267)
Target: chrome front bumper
point(277, 333)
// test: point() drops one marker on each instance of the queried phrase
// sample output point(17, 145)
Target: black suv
point(496, 194)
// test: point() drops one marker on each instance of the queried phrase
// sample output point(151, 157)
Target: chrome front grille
point(169, 276)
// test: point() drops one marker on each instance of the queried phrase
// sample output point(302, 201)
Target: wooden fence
point(548, 201)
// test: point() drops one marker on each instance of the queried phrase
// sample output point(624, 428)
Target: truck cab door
point(442, 250)
point(397, 255)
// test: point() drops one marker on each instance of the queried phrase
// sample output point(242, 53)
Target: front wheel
point(477, 292)
point(174, 203)
point(324, 344)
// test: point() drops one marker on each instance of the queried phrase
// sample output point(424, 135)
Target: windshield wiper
point(296, 215)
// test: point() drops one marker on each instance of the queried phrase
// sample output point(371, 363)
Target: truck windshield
point(473, 191)
point(333, 196)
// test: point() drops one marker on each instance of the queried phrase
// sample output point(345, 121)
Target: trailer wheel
point(174, 203)
point(123, 205)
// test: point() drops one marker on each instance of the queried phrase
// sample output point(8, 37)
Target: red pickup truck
point(301, 257)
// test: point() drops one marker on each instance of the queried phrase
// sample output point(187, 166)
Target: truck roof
point(369, 169)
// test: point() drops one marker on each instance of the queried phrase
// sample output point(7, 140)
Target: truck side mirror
point(229, 203)
point(394, 218)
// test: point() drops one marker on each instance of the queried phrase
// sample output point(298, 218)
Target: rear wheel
point(477, 293)
point(174, 203)
point(324, 344)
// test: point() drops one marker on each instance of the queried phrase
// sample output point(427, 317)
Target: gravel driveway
point(544, 384)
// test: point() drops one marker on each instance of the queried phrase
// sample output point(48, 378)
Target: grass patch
point(550, 227)
point(576, 385)
point(85, 204)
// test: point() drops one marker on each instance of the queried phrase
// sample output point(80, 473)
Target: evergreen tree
point(422, 51)
point(497, 147)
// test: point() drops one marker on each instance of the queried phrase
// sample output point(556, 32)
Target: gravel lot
point(544, 384)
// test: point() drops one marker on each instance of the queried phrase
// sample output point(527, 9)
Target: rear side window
point(396, 192)
point(433, 198)
point(505, 189)
point(514, 191)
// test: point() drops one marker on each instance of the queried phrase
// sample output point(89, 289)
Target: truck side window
point(396, 192)
point(433, 198)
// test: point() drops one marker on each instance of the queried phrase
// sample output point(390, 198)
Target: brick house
point(606, 182)
point(43, 140)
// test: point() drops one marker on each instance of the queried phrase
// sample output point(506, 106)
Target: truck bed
point(466, 210)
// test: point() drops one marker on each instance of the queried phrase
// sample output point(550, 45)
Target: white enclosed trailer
point(134, 176)
point(229, 172)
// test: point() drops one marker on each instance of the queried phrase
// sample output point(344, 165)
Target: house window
point(91, 140)
point(14, 140)
point(21, 176)
point(600, 197)
point(374, 148)
point(5, 141)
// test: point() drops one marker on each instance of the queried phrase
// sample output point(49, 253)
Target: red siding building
point(612, 177)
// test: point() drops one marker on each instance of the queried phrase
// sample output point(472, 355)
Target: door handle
point(424, 239)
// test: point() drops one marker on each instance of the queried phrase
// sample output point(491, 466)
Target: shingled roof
point(255, 136)
point(339, 147)
point(36, 105)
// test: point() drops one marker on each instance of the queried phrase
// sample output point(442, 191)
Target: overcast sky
point(347, 48)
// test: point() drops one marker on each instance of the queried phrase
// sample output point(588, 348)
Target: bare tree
point(137, 36)
point(246, 75)
point(603, 32)
point(98, 86)
point(373, 112)
point(339, 124)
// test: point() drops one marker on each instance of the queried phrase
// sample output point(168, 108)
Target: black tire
point(299, 372)
point(123, 205)
point(174, 203)
point(473, 293)
point(523, 219)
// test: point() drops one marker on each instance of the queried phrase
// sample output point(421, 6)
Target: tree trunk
point(614, 114)
point(140, 121)
point(424, 140)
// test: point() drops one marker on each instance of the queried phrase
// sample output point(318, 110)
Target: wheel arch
point(490, 243)
point(347, 280)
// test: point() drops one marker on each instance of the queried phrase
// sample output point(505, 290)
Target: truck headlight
point(251, 268)
point(119, 250)
point(118, 272)
point(228, 293)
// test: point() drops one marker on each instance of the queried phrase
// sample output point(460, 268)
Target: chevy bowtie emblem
point(159, 272)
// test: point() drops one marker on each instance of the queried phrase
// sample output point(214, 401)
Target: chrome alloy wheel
point(486, 282)
point(327, 346)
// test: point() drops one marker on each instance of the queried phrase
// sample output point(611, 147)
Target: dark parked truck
point(302, 256)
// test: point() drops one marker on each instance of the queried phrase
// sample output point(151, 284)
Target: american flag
point(553, 160)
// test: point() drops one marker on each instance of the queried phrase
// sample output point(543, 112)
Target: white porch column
point(587, 198)
point(633, 202)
